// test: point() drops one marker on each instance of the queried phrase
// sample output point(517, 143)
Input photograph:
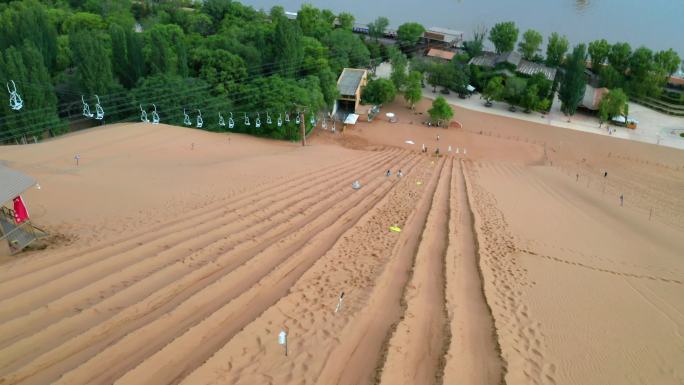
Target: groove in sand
point(188, 313)
point(365, 337)
point(474, 355)
point(416, 347)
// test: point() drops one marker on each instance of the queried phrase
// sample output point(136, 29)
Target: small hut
point(349, 85)
point(16, 230)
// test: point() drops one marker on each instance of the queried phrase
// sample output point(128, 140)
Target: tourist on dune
point(388, 173)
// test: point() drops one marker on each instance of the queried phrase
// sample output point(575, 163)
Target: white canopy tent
point(351, 119)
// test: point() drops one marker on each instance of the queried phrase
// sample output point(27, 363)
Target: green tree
point(287, 44)
point(457, 76)
point(312, 22)
point(611, 78)
point(166, 52)
point(346, 50)
point(529, 46)
point(24, 65)
point(316, 64)
point(514, 90)
point(542, 84)
point(136, 57)
point(668, 60)
point(475, 46)
point(494, 89)
point(173, 93)
point(440, 111)
point(346, 20)
point(613, 104)
point(92, 56)
point(120, 61)
point(376, 29)
point(556, 49)
point(279, 95)
point(219, 68)
point(640, 63)
point(216, 9)
point(645, 77)
point(28, 20)
point(409, 34)
point(437, 75)
point(378, 91)
point(619, 56)
point(530, 98)
point(598, 51)
point(84, 21)
point(504, 35)
point(414, 89)
point(399, 63)
point(573, 83)
point(63, 60)
point(200, 23)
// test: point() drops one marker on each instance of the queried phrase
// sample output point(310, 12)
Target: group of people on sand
point(424, 149)
point(389, 173)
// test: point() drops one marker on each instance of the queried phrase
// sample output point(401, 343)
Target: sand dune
point(180, 254)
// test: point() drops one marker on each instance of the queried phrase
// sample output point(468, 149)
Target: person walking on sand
point(388, 173)
point(438, 137)
point(577, 178)
point(622, 200)
point(605, 174)
point(399, 174)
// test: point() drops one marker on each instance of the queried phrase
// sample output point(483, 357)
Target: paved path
point(654, 127)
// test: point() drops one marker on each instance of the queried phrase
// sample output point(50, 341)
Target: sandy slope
point(182, 253)
point(590, 295)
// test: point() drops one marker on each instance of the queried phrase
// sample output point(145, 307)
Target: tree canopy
point(379, 91)
point(503, 36)
point(414, 90)
point(409, 34)
point(440, 111)
point(494, 89)
point(556, 49)
point(598, 51)
point(530, 44)
point(573, 83)
point(399, 63)
point(376, 29)
point(614, 103)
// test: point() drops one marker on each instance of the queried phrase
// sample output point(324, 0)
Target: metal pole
point(302, 124)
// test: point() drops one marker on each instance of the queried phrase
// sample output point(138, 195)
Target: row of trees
point(641, 72)
point(214, 56)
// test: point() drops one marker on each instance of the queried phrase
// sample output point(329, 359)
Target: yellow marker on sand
point(396, 229)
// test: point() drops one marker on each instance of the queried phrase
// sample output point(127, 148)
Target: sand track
point(366, 337)
point(158, 299)
point(355, 264)
point(473, 356)
point(174, 261)
point(206, 219)
point(417, 345)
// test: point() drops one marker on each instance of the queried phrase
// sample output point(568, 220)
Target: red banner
point(20, 211)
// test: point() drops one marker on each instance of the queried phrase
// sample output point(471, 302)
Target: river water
point(656, 24)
